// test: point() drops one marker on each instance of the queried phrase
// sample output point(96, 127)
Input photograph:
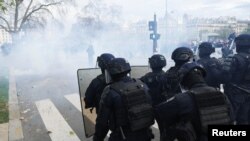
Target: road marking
point(58, 128)
point(75, 100)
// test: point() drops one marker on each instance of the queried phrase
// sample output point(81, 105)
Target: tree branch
point(16, 14)
point(35, 10)
point(7, 23)
point(28, 8)
point(6, 29)
point(47, 10)
point(26, 12)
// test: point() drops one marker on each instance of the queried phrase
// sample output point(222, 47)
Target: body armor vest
point(173, 81)
point(212, 67)
point(242, 74)
point(137, 103)
point(212, 106)
point(157, 85)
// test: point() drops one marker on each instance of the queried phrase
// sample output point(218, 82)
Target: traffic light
point(154, 36)
point(151, 25)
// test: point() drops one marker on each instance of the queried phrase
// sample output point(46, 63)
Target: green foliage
point(4, 88)
point(2, 6)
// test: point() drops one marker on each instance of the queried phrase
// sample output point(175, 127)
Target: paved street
point(50, 108)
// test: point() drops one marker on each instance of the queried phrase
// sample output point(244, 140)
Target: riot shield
point(85, 76)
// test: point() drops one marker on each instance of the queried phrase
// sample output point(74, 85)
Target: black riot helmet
point(205, 49)
point(191, 73)
point(117, 68)
point(182, 54)
point(157, 61)
point(104, 59)
point(242, 43)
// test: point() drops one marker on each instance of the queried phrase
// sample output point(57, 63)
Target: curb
point(15, 126)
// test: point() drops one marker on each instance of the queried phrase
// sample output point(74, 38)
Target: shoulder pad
point(105, 92)
point(101, 78)
point(107, 88)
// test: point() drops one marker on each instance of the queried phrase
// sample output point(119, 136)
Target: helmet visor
point(108, 77)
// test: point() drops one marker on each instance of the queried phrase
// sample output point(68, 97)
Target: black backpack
point(212, 108)
point(138, 105)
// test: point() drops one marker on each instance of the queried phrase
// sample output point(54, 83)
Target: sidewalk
point(12, 131)
point(4, 132)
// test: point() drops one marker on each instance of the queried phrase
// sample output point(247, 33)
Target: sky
point(144, 9)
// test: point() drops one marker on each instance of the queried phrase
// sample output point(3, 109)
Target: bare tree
point(17, 13)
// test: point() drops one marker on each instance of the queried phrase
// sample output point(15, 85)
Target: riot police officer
point(125, 106)
point(180, 56)
point(184, 116)
point(212, 66)
point(237, 75)
point(155, 80)
point(95, 88)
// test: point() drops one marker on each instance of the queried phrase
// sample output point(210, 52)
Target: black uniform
point(172, 79)
point(237, 74)
point(186, 116)
point(125, 107)
point(180, 55)
point(212, 66)
point(95, 88)
point(94, 92)
point(156, 83)
point(156, 80)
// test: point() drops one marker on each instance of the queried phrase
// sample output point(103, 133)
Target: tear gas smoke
point(61, 46)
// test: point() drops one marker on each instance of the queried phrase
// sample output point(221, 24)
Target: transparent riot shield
point(85, 76)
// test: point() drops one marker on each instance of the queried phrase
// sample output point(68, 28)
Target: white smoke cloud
point(62, 45)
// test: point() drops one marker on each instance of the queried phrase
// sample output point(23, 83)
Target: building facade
point(5, 37)
point(223, 26)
